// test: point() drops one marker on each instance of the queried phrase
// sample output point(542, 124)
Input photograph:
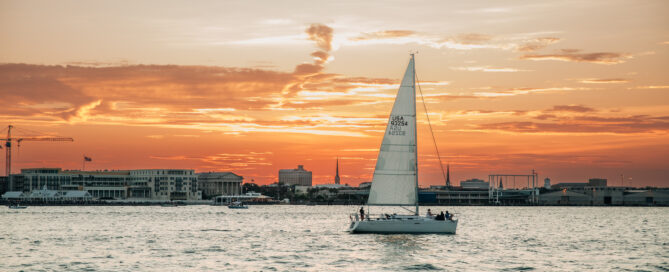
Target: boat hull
point(416, 225)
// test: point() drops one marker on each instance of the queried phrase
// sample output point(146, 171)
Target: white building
point(219, 183)
point(297, 176)
point(547, 183)
point(45, 194)
point(154, 184)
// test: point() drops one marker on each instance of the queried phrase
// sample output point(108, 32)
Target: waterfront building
point(167, 184)
point(547, 183)
point(476, 184)
point(47, 195)
point(298, 176)
point(219, 183)
point(565, 197)
point(593, 182)
point(153, 184)
point(646, 197)
point(597, 182)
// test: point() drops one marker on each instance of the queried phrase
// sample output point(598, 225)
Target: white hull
point(404, 224)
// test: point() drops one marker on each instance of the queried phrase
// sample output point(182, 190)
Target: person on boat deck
point(440, 216)
point(362, 213)
point(448, 215)
point(429, 213)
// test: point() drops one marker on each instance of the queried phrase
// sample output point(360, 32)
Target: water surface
point(313, 238)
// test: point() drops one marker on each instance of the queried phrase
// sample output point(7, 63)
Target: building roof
point(12, 194)
point(43, 194)
point(299, 169)
point(76, 194)
point(216, 174)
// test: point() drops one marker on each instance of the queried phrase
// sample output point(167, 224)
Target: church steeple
point(337, 175)
point(448, 175)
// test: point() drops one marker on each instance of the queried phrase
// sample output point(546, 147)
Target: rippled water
point(313, 238)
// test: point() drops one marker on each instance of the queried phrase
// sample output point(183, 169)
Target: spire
point(501, 186)
point(448, 175)
point(337, 175)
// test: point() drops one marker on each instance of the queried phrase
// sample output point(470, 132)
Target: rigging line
point(30, 132)
point(406, 208)
point(434, 140)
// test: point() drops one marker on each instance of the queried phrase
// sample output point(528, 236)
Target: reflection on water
point(307, 238)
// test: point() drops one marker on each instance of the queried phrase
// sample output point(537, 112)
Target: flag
point(87, 159)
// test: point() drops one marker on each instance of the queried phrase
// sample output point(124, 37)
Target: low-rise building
point(219, 183)
point(154, 184)
point(47, 195)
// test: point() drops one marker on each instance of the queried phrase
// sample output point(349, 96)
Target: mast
point(415, 127)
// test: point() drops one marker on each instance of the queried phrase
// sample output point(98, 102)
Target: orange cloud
point(537, 44)
point(487, 69)
point(571, 108)
point(573, 55)
point(385, 34)
point(586, 124)
point(473, 38)
point(322, 35)
point(604, 80)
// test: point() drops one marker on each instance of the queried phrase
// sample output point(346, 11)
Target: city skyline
point(510, 87)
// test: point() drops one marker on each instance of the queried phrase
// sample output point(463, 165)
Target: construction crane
point(8, 148)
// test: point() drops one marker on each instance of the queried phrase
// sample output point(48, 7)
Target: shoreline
point(207, 203)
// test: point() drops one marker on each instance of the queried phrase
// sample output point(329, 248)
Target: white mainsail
point(395, 180)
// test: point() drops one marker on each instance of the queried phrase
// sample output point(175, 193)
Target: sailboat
point(395, 181)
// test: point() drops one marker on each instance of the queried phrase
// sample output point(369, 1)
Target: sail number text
point(397, 124)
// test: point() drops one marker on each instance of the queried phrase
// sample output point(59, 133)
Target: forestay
point(394, 181)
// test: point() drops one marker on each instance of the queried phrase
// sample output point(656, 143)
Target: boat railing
point(376, 217)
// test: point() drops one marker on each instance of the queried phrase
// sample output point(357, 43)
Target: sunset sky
point(572, 89)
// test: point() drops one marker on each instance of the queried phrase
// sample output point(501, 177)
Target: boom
point(8, 148)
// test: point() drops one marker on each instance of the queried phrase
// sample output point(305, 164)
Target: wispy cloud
point(652, 87)
point(604, 80)
point(571, 108)
point(586, 124)
point(486, 10)
point(574, 55)
point(488, 69)
point(521, 91)
point(535, 44)
point(384, 34)
point(570, 119)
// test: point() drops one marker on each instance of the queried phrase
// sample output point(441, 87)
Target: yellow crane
point(8, 148)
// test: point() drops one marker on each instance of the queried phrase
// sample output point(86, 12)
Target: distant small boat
point(168, 205)
point(237, 205)
point(16, 206)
